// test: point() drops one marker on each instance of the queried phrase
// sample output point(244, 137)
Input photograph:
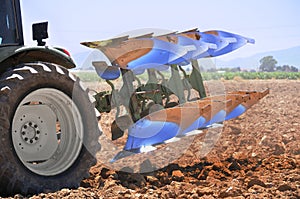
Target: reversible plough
point(162, 109)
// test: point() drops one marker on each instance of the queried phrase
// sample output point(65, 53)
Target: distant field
point(252, 75)
point(90, 76)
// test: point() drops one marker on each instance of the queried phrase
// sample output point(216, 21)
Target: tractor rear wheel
point(48, 130)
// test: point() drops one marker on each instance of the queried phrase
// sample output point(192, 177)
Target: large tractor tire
point(48, 130)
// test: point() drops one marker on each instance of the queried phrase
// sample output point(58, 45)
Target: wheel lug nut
point(30, 132)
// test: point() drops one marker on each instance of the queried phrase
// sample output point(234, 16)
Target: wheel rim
point(47, 132)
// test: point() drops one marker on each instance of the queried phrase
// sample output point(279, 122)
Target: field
point(255, 156)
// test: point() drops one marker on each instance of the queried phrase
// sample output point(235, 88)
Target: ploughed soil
point(256, 155)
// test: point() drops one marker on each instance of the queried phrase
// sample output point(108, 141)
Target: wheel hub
point(35, 131)
point(30, 132)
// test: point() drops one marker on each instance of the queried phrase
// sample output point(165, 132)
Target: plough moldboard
point(161, 108)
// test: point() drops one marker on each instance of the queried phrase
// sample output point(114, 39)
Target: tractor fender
point(17, 55)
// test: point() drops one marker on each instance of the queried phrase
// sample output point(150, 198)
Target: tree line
point(269, 64)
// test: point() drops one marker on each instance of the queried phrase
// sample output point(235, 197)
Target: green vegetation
point(268, 64)
point(267, 70)
point(88, 76)
point(251, 75)
point(93, 77)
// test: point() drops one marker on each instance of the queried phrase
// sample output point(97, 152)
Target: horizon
point(81, 57)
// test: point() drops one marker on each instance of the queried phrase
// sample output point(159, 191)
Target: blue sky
point(272, 23)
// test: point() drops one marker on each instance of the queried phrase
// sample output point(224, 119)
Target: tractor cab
point(10, 23)
point(12, 49)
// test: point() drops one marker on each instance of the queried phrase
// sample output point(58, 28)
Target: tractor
point(49, 122)
point(48, 125)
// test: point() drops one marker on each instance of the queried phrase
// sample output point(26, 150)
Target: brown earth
point(256, 156)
